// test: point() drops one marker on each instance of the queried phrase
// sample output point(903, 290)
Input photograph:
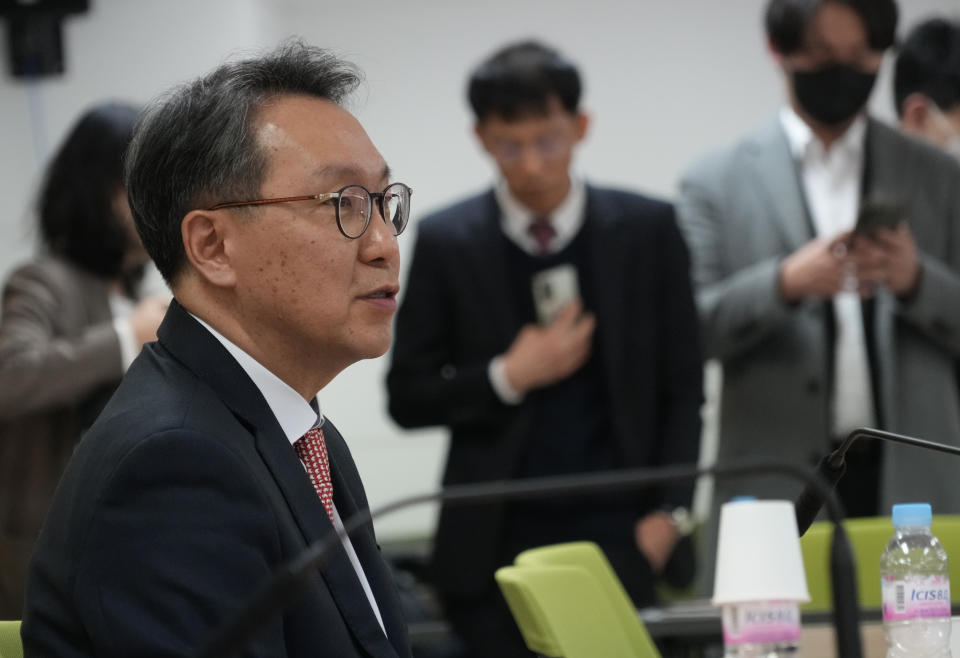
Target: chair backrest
point(588, 556)
point(561, 611)
point(10, 644)
point(868, 538)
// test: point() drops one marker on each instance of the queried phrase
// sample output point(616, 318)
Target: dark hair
point(786, 21)
point(197, 145)
point(929, 63)
point(520, 80)
point(76, 203)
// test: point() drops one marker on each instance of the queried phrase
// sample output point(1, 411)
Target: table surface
point(699, 620)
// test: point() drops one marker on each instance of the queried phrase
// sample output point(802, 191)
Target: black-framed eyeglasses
point(354, 204)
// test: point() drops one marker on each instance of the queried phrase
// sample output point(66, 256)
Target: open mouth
point(383, 293)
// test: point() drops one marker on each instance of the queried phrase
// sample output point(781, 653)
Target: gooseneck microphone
point(809, 504)
point(289, 581)
point(837, 456)
point(832, 467)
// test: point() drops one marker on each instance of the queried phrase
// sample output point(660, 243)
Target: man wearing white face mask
point(926, 84)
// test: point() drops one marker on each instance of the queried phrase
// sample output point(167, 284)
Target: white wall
point(664, 82)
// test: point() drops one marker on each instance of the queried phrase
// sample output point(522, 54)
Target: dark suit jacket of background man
point(183, 507)
point(457, 315)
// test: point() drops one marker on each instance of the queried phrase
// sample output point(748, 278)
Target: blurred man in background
point(926, 84)
point(550, 325)
point(826, 249)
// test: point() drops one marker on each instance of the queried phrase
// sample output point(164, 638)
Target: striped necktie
point(543, 232)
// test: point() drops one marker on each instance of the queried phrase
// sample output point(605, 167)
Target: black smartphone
point(878, 213)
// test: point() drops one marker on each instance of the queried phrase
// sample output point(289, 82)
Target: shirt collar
point(294, 414)
point(803, 142)
point(566, 219)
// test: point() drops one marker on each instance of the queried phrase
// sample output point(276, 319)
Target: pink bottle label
point(760, 623)
point(915, 598)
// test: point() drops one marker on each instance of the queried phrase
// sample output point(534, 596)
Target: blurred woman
point(71, 323)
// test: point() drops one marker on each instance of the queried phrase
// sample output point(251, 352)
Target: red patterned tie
point(543, 232)
point(312, 451)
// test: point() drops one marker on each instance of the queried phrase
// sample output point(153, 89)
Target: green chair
point(562, 612)
point(590, 557)
point(10, 644)
point(868, 538)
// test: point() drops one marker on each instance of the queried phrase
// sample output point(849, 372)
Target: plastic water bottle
point(762, 629)
point(915, 578)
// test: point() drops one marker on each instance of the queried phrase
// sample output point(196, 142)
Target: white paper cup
point(758, 554)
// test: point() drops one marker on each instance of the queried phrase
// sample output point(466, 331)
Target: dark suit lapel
point(345, 482)
point(778, 183)
point(601, 224)
point(203, 354)
point(484, 257)
point(338, 572)
point(884, 171)
point(607, 258)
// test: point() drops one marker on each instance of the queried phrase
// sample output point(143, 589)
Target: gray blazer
point(59, 362)
point(742, 211)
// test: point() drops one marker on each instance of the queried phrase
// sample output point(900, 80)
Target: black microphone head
point(810, 503)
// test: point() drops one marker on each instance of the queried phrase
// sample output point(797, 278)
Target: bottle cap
point(912, 514)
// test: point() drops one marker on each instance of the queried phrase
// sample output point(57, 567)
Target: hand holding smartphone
point(875, 214)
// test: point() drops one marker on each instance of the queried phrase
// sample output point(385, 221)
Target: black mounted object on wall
point(35, 34)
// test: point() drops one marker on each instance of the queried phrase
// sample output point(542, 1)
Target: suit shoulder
point(916, 151)
point(58, 289)
point(628, 210)
point(633, 202)
point(48, 271)
point(151, 441)
point(727, 161)
point(178, 402)
point(458, 218)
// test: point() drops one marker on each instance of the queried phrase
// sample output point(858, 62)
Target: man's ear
point(915, 114)
point(582, 124)
point(775, 54)
point(205, 234)
point(481, 133)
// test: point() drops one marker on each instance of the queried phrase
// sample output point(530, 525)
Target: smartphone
point(878, 213)
point(554, 289)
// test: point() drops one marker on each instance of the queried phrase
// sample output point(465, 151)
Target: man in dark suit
point(609, 378)
point(259, 198)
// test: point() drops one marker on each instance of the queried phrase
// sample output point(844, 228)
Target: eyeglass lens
point(354, 208)
point(547, 147)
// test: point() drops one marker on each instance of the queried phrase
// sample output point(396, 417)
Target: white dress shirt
point(296, 417)
point(566, 219)
point(515, 221)
point(832, 181)
point(121, 308)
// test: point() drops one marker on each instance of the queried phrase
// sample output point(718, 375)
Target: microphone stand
point(833, 466)
point(290, 580)
point(836, 458)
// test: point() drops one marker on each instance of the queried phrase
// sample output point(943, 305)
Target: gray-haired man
point(271, 215)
